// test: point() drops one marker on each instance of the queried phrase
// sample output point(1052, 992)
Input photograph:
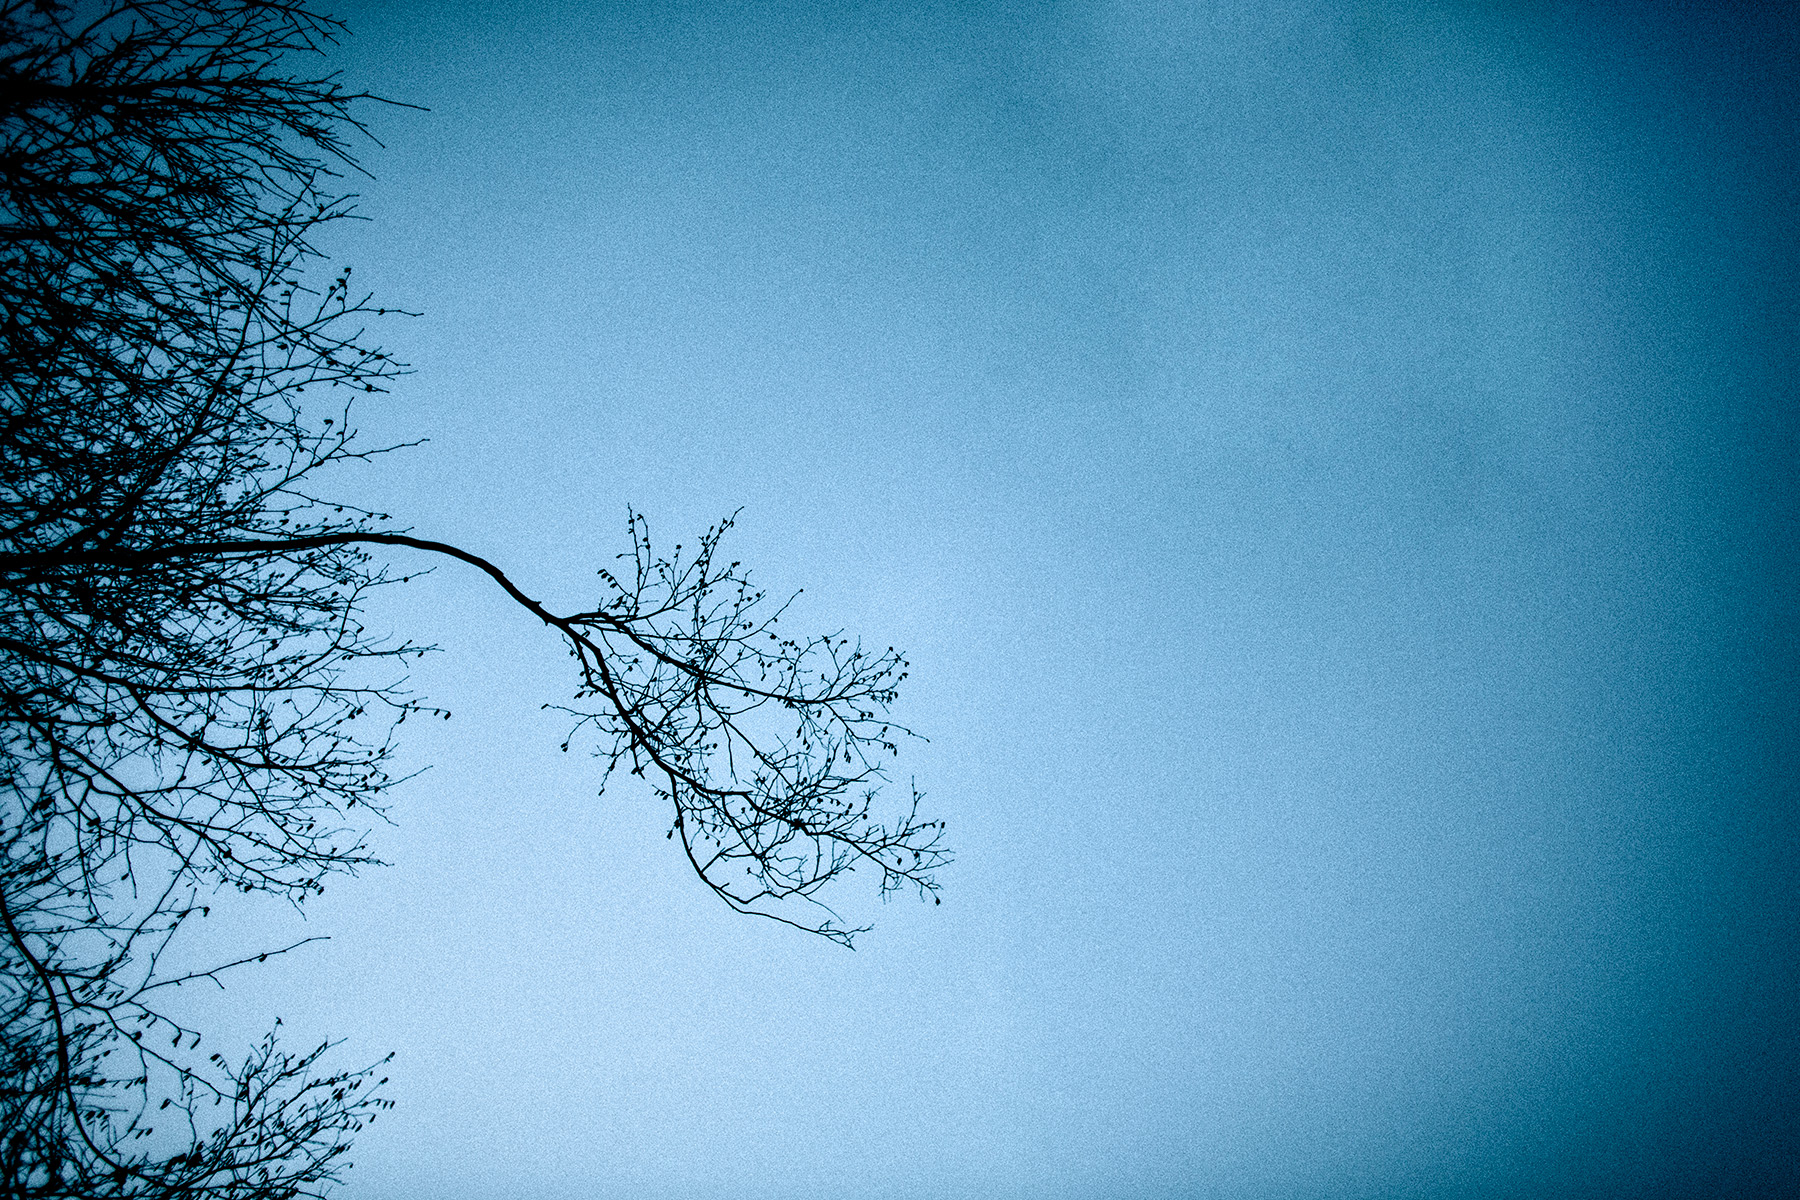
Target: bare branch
point(189, 701)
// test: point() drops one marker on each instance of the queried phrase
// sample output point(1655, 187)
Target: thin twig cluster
point(770, 748)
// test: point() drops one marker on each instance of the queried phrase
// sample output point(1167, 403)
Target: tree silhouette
point(188, 700)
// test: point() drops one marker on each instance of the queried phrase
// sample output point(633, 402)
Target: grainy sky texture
point(1333, 467)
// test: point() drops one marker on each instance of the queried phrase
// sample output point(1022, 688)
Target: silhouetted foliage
point(188, 701)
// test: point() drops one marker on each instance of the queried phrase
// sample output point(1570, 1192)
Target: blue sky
point(1333, 469)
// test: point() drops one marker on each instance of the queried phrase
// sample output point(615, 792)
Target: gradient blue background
point(1334, 469)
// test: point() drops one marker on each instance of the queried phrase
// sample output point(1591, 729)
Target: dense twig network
point(188, 701)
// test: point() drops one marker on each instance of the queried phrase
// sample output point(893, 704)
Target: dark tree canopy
point(188, 701)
